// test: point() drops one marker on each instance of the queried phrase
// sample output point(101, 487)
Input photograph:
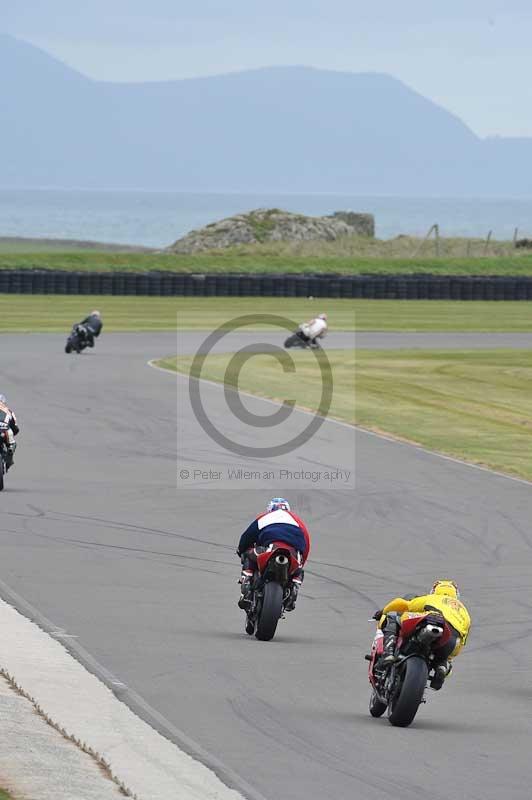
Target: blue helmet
point(278, 503)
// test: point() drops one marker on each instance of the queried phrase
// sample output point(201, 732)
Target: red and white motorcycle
point(400, 687)
point(270, 589)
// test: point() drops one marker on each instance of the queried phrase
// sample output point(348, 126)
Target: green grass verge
point(262, 375)
point(55, 313)
point(475, 405)
point(5, 796)
point(265, 258)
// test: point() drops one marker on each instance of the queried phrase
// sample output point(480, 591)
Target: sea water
point(156, 219)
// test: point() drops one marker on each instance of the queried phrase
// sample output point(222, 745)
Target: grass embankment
point(475, 405)
point(350, 255)
point(55, 313)
point(5, 795)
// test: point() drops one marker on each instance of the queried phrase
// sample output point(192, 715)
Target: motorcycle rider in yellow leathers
point(445, 599)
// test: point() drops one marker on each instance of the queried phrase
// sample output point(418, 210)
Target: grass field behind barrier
point(56, 313)
point(349, 256)
point(5, 795)
point(475, 405)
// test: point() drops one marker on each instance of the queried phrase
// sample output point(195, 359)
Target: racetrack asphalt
point(97, 534)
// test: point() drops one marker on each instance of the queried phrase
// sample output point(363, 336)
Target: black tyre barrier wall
point(167, 284)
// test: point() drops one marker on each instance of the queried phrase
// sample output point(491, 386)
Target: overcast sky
point(472, 56)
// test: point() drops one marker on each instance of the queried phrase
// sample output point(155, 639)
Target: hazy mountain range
point(279, 129)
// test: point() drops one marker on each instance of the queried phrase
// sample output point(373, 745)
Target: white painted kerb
point(150, 765)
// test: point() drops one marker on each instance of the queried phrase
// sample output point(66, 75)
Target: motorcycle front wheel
point(270, 613)
point(2, 470)
point(405, 701)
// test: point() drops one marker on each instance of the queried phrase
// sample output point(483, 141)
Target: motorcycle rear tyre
point(2, 470)
point(403, 706)
point(270, 613)
point(68, 348)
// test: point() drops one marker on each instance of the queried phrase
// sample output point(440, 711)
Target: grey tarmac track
point(189, 342)
point(96, 534)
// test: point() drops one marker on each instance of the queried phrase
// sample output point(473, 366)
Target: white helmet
point(95, 313)
point(322, 316)
point(278, 503)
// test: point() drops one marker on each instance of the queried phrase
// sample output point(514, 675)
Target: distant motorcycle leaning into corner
point(8, 430)
point(308, 333)
point(84, 333)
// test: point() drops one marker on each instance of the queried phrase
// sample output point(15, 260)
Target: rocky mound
point(269, 225)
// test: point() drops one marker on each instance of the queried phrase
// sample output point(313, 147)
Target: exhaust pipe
point(430, 633)
point(281, 561)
